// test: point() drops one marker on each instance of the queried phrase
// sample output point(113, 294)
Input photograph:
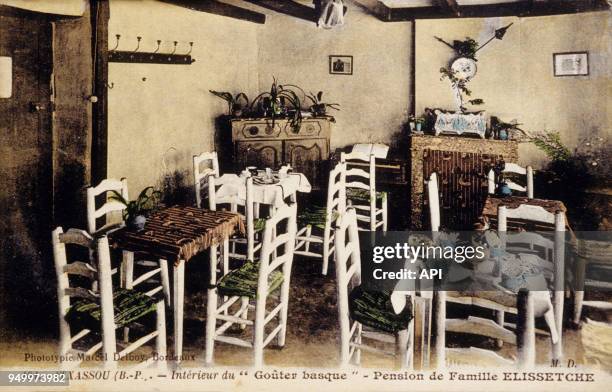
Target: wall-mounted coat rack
point(134, 56)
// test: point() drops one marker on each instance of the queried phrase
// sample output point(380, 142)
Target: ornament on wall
point(463, 67)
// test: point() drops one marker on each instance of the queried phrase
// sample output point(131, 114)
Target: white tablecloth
point(272, 194)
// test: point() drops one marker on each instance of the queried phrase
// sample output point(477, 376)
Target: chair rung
point(272, 335)
point(537, 330)
point(234, 341)
point(144, 364)
point(363, 347)
point(378, 336)
point(145, 276)
point(597, 283)
point(598, 304)
point(234, 319)
point(79, 335)
point(154, 291)
point(93, 349)
point(273, 313)
point(137, 344)
point(307, 254)
point(147, 263)
point(316, 239)
point(227, 304)
point(480, 326)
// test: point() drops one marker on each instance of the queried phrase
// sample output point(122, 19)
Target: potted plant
point(505, 130)
point(280, 102)
point(416, 124)
point(137, 210)
point(318, 107)
point(237, 105)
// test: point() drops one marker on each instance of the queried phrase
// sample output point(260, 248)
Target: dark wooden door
point(307, 156)
point(26, 170)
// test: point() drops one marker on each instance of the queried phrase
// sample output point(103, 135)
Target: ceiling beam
point(288, 7)
point(523, 9)
point(219, 8)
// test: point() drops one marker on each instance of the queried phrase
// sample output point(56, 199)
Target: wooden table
point(492, 202)
point(176, 234)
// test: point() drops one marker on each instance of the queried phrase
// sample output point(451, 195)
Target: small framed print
point(340, 65)
point(571, 64)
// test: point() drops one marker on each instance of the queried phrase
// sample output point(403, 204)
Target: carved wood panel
point(305, 156)
point(261, 154)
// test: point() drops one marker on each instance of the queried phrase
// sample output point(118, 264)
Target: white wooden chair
point(433, 197)
point(515, 169)
point(245, 248)
point(256, 282)
point(103, 312)
point(538, 214)
point(598, 254)
point(523, 337)
point(397, 330)
point(108, 212)
point(325, 219)
point(204, 165)
point(371, 206)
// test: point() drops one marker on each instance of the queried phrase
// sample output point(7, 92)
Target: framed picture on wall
point(340, 65)
point(571, 63)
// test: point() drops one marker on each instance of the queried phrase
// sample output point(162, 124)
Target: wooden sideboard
point(258, 142)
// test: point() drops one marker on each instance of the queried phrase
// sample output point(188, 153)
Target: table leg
point(127, 277)
point(179, 299)
point(211, 307)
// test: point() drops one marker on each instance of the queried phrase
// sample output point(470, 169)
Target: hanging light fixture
point(6, 77)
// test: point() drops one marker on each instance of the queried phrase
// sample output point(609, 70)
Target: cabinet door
point(308, 156)
point(260, 154)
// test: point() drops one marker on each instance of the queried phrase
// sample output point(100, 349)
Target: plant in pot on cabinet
point(318, 107)
point(238, 105)
point(416, 124)
point(136, 211)
point(281, 101)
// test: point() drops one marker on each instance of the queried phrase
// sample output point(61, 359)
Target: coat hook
point(110, 85)
point(138, 46)
point(118, 36)
point(190, 49)
point(158, 44)
point(175, 44)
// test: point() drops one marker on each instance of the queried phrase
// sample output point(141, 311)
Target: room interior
point(113, 89)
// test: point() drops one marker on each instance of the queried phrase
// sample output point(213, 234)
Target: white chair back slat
point(109, 207)
point(515, 169)
point(511, 167)
point(200, 174)
point(515, 187)
point(358, 173)
point(433, 194)
point(525, 212)
point(105, 186)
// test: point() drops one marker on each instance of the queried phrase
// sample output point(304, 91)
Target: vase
point(505, 190)
point(137, 223)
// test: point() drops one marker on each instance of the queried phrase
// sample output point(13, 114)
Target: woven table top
point(179, 232)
